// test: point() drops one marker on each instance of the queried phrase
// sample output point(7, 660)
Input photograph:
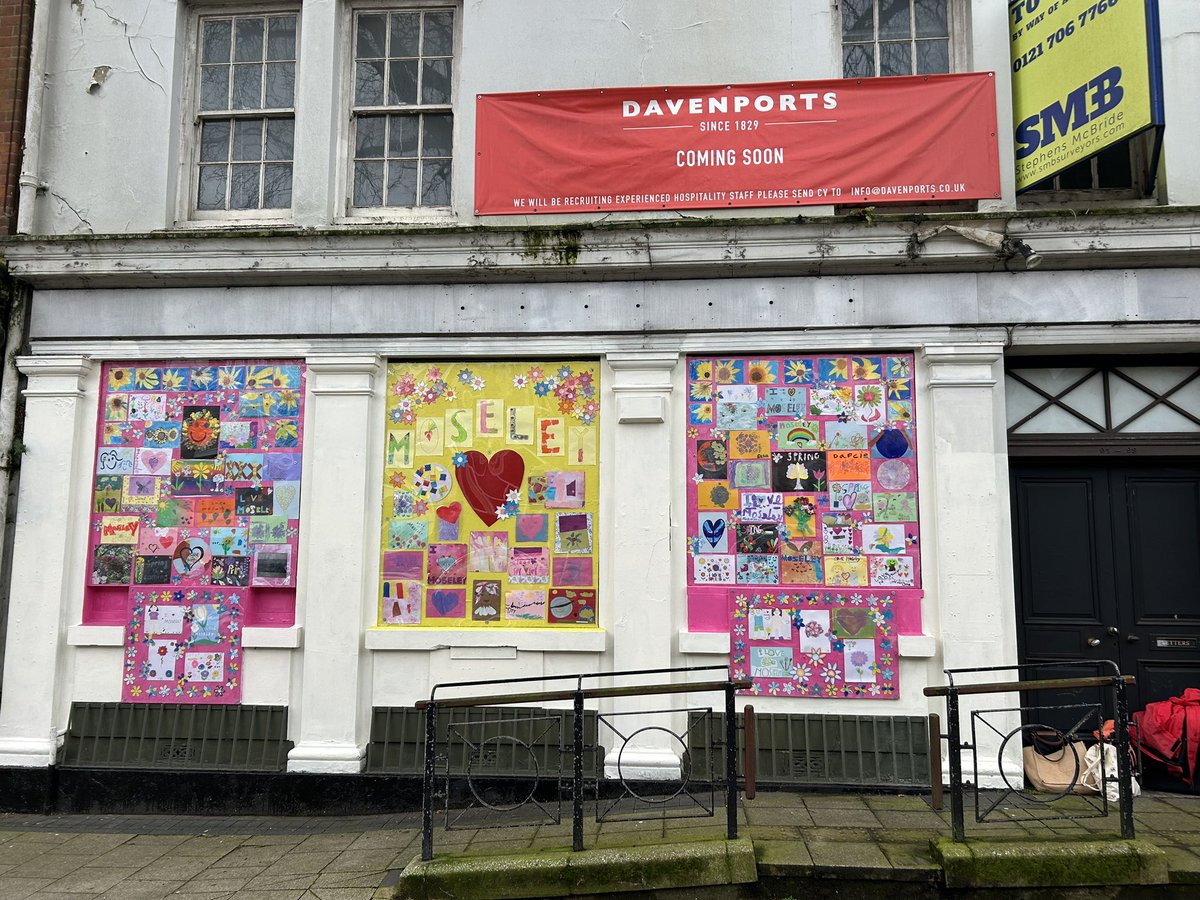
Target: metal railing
point(953, 692)
point(477, 743)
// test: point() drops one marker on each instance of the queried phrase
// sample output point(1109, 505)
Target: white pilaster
point(44, 570)
point(639, 486)
point(317, 104)
point(972, 591)
point(337, 555)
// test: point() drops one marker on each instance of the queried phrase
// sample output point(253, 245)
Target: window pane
point(435, 81)
point(368, 184)
point(858, 20)
point(895, 59)
point(368, 83)
point(248, 45)
point(406, 29)
point(858, 61)
point(216, 41)
point(894, 19)
point(439, 34)
point(404, 136)
point(369, 137)
point(1076, 178)
point(402, 184)
point(247, 139)
point(247, 87)
point(212, 188)
point(931, 17)
point(1113, 167)
point(403, 85)
point(438, 135)
point(243, 192)
point(214, 141)
point(435, 182)
point(371, 37)
point(933, 57)
point(281, 137)
point(281, 40)
point(281, 85)
point(277, 186)
point(214, 87)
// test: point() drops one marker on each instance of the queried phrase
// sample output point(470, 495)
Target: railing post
point(731, 786)
point(750, 751)
point(935, 761)
point(1124, 775)
point(577, 804)
point(954, 735)
point(427, 787)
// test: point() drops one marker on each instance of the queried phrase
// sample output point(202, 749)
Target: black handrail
point(952, 692)
point(578, 695)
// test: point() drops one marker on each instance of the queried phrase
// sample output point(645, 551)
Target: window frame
point(1141, 193)
point(192, 119)
point(958, 25)
point(347, 212)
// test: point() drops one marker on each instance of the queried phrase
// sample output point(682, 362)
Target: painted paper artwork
point(829, 645)
point(183, 647)
point(491, 495)
point(802, 498)
point(197, 486)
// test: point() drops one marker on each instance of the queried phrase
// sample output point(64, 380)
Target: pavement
point(853, 836)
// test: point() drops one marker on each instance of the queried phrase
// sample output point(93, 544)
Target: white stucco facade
point(119, 271)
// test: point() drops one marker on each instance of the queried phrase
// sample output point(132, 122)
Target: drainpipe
point(30, 181)
point(10, 446)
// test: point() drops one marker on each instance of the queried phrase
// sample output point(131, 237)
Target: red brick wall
point(16, 23)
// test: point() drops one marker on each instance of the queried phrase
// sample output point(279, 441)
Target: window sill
point(398, 215)
point(256, 638)
point(592, 640)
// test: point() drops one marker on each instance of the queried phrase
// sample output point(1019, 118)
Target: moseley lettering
point(1089, 101)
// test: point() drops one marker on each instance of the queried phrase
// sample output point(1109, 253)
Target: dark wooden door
point(1107, 561)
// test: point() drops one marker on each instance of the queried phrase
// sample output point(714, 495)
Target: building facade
point(310, 426)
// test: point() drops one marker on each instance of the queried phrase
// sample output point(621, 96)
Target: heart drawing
point(486, 482)
point(713, 529)
point(446, 602)
point(450, 512)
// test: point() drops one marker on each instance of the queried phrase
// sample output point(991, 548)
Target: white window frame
point(189, 214)
point(958, 15)
point(350, 214)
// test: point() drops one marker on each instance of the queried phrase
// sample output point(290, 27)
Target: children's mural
point(491, 495)
point(802, 518)
point(195, 518)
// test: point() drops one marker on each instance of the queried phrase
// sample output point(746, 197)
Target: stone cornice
point(692, 248)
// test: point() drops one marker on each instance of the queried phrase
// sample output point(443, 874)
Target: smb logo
point(1089, 101)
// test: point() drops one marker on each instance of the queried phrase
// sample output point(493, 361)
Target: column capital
point(55, 376)
point(962, 365)
point(642, 359)
point(648, 372)
point(343, 374)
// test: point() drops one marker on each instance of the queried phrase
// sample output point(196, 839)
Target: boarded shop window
point(896, 37)
point(245, 113)
point(802, 530)
point(403, 122)
point(491, 495)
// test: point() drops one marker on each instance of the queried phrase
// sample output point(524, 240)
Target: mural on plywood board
point(491, 495)
point(195, 512)
point(802, 518)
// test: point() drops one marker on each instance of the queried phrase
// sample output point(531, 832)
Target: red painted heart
point(486, 482)
point(450, 512)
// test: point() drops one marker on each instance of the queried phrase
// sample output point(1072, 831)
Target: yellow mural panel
point(491, 495)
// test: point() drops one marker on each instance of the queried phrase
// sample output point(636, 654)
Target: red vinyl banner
point(802, 143)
